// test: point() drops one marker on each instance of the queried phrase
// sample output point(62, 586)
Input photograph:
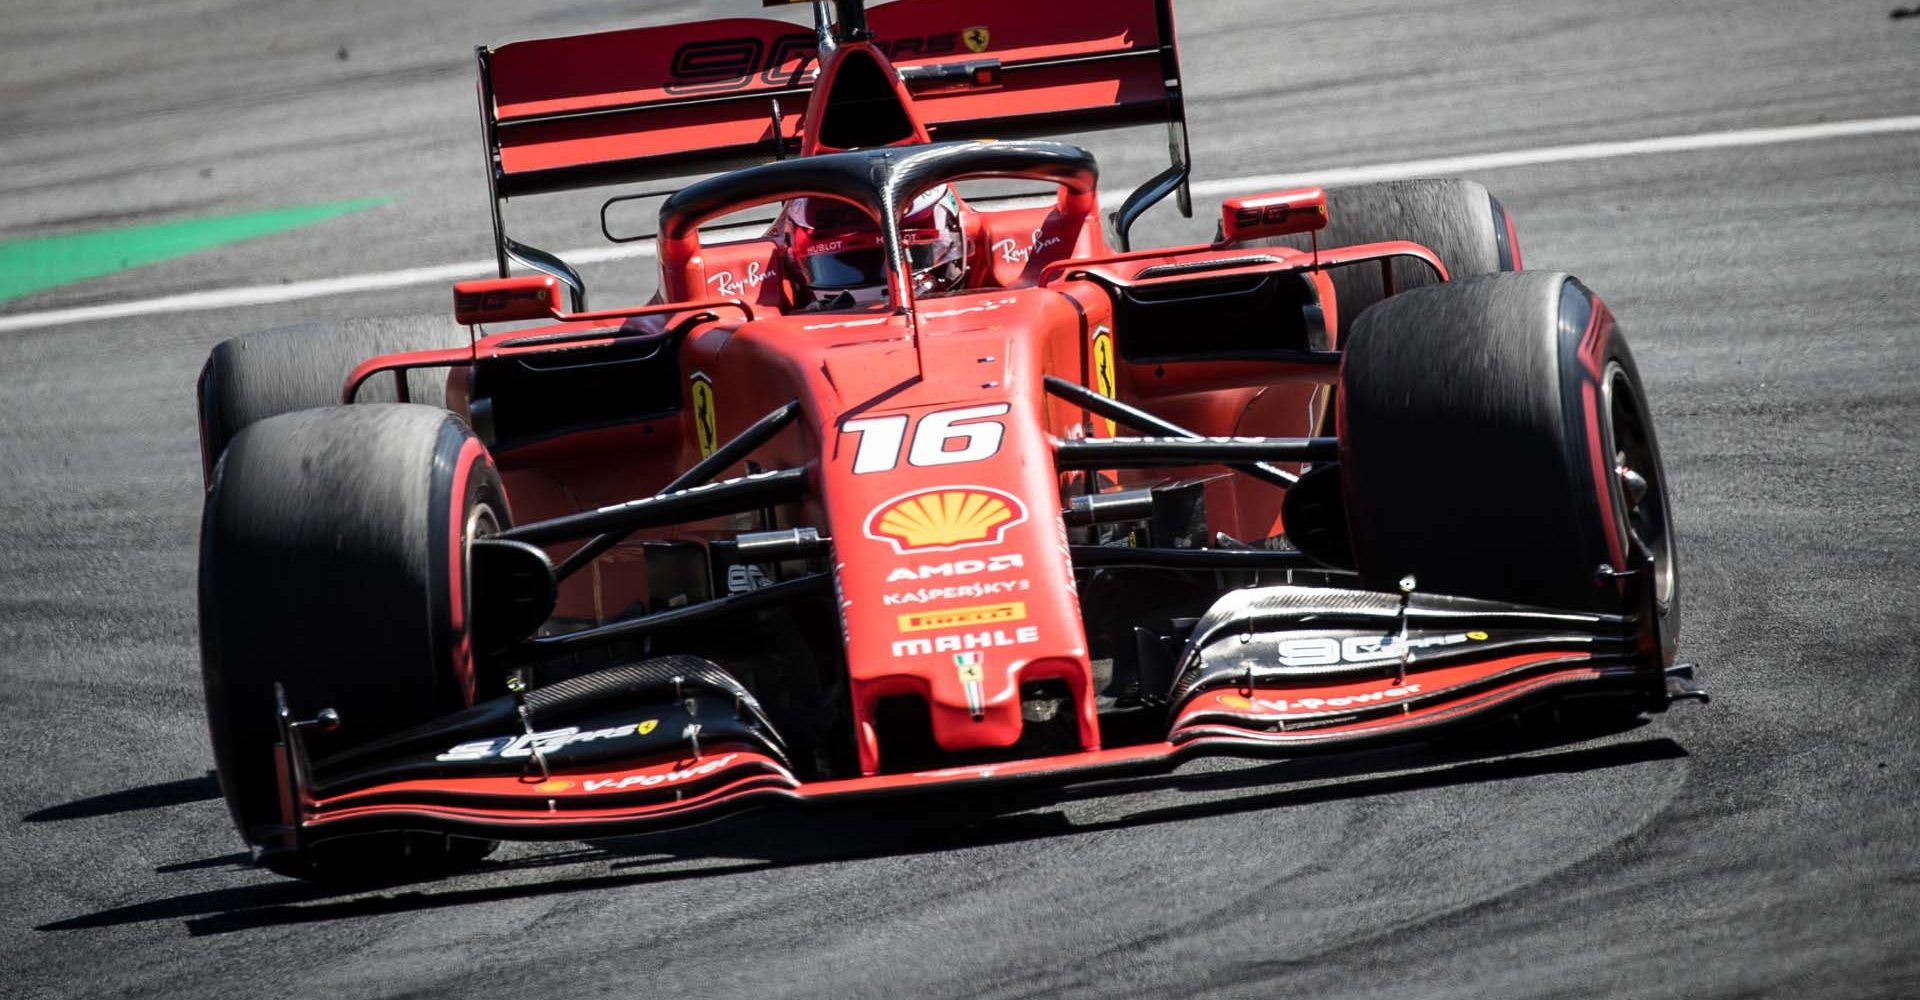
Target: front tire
point(333, 561)
point(1496, 443)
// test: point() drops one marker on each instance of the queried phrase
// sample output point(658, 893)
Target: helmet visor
point(849, 265)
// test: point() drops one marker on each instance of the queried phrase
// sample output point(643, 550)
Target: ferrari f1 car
point(908, 489)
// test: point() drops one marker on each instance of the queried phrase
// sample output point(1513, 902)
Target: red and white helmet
point(834, 247)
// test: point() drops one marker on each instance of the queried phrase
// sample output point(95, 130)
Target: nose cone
point(952, 568)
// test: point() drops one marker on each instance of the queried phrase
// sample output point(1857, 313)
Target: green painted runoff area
point(42, 262)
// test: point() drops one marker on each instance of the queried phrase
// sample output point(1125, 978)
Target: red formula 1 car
point(910, 491)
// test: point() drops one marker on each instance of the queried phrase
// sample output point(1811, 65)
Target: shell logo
point(556, 785)
point(947, 517)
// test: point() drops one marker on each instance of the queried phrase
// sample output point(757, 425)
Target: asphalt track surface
point(1764, 846)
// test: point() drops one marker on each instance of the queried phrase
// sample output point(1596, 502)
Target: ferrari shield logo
point(978, 39)
point(1103, 374)
point(705, 427)
point(972, 681)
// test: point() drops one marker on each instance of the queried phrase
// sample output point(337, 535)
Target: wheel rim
point(1644, 519)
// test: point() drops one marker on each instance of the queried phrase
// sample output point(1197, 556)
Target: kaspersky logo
point(948, 517)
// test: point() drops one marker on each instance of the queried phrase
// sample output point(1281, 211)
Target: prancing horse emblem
point(978, 39)
point(705, 423)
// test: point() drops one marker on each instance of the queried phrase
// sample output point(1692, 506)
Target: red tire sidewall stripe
point(1593, 352)
point(471, 454)
point(1597, 456)
point(1513, 239)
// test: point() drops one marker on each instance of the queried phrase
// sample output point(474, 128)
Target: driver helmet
point(837, 249)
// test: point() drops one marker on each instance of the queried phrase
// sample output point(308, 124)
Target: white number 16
point(881, 438)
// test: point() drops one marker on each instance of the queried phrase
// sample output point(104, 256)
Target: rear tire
point(1467, 228)
point(333, 562)
point(250, 378)
point(1483, 425)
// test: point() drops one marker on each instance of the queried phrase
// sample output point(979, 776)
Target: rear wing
point(619, 106)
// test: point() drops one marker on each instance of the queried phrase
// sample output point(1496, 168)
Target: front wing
point(1269, 672)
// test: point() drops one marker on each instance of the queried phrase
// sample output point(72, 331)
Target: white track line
point(1736, 139)
point(227, 298)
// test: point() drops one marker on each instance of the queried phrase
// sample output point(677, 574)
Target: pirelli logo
point(982, 614)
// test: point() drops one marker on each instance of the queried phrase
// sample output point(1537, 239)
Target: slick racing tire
point(259, 375)
point(1467, 228)
point(334, 562)
point(1495, 442)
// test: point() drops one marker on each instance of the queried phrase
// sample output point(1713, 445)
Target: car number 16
point(946, 437)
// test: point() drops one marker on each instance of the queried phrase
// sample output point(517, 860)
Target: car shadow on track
point(822, 835)
point(154, 796)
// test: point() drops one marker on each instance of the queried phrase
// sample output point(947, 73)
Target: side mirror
point(1283, 213)
point(504, 300)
